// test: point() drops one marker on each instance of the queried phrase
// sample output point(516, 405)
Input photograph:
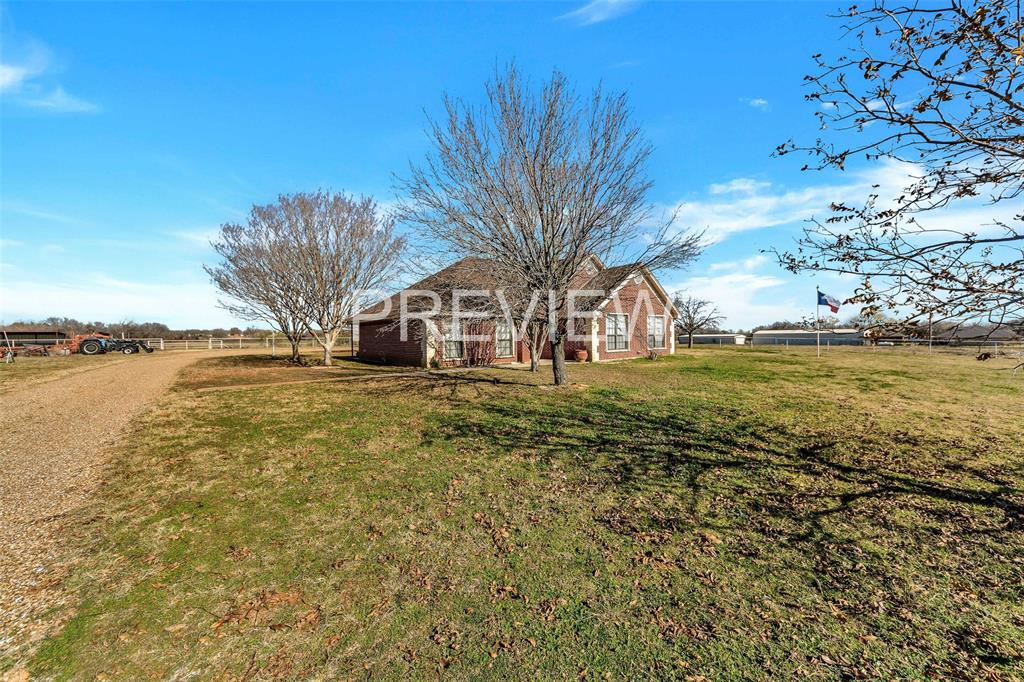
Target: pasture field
point(714, 515)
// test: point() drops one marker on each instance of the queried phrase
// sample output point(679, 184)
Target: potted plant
point(581, 355)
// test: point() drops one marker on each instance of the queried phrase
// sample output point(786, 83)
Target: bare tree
point(940, 87)
point(536, 181)
point(695, 314)
point(257, 274)
point(345, 248)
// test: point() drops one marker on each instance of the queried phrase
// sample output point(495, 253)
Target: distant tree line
point(132, 329)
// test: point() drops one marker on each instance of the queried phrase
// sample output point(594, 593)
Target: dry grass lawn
point(719, 514)
point(247, 370)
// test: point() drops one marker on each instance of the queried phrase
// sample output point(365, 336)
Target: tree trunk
point(558, 360)
point(294, 340)
point(689, 342)
point(328, 346)
point(536, 348)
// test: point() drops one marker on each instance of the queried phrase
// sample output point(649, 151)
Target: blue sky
point(129, 132)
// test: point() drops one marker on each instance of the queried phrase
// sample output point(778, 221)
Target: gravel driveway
point(56, 438)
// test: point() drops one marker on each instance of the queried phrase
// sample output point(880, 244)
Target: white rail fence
point(269, 343)
point(959, 345)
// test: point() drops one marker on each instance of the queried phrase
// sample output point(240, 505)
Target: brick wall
point(476, 352)
point(381, 341)
point(638, 301)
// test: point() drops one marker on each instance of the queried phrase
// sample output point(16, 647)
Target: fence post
point(209, 343)
point(161, 344)
point(186, 344)
point(239, 343)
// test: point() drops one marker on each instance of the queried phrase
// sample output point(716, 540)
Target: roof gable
point(623, 274)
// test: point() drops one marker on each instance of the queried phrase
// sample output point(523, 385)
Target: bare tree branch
point(695, 314)
point(345, 250)
point(306, 263)
point(939, 87)
point(257, 274)
point(534, 183)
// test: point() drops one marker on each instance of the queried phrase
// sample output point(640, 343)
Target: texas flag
point(831, 301)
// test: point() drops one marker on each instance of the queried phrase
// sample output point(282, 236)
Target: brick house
point(632, 315)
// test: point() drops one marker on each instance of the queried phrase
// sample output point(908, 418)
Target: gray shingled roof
point(474, 273)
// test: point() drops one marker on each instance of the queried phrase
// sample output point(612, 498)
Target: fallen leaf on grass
point(276, 598)
point(239, 553)
point(310, 620)
point(256, 610)
point(711, 537)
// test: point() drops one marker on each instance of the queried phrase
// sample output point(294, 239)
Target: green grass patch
point(719, 514)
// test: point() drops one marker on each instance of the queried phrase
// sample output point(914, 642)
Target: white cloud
point(736, 296)
point(743, 204)
point(38, 213)
point(757, 103)
point(12, 76)
point(742, 185)
point(749, 297)
point(198, 237)
point(23, 60)
point(596, 11)
point(178, 304)
point(59, 100)
point(744, 296)
point(746, 265)
point(26, 79)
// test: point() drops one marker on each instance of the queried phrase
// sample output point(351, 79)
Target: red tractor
point(95, 344)
point(48, 342)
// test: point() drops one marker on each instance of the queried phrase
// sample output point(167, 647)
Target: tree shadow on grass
point(679, 446)
point(850, 515)
point(698, 449)
point(459, 387)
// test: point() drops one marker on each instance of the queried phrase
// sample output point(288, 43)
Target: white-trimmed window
point(454, 347)
point(502, 340)
point(617, 332)
point(655, 331)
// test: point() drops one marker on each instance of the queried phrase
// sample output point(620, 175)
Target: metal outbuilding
point(805, 337)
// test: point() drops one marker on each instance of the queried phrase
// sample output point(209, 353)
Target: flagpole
point(817, 315)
